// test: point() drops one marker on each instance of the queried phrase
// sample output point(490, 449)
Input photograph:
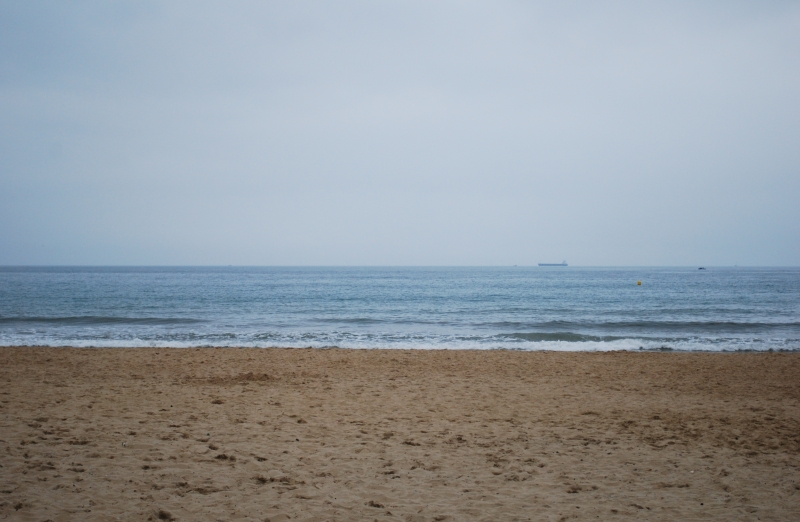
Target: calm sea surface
point(528, 308)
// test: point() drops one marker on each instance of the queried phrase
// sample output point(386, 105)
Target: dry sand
point(254, 434)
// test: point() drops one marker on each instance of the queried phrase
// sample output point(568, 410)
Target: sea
point(518, 308)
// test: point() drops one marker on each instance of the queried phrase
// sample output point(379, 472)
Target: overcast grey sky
point(400, 133)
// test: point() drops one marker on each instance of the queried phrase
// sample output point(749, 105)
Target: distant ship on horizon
point(563, 263)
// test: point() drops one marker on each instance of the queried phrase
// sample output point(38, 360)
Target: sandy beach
point(303, 434)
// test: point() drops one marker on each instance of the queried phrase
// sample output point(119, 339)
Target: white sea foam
point(418, 342)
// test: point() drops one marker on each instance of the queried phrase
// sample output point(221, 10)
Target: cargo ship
point(563, 263)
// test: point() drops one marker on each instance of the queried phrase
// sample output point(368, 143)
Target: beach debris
point(163, 514)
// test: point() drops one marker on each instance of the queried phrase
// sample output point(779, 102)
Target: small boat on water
point(702, 268)
point(563, 263)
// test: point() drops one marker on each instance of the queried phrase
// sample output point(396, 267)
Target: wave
point(559, 336)
point(352, 320)
point(659, 326)
point(526, 341)
point(557, 346)
point(90, 320)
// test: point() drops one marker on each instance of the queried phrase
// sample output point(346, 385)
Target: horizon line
point(376, 266)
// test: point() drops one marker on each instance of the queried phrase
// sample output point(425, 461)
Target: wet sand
point(254, 434)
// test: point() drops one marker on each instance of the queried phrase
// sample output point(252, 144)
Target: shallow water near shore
point(525, 308)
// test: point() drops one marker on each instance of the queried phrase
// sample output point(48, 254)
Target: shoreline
point(405, 348)
point(394, 434)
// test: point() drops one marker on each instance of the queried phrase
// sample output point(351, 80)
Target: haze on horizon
point(399, 133)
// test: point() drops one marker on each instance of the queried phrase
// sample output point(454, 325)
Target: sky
point(399, 133)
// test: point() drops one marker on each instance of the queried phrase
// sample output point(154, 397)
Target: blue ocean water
point(526, 308)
